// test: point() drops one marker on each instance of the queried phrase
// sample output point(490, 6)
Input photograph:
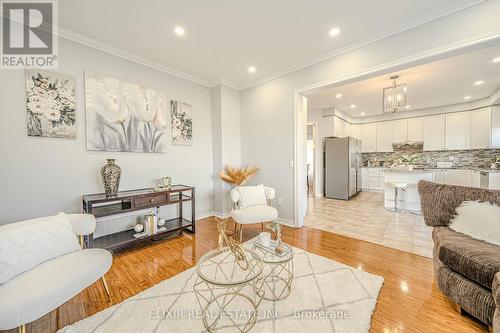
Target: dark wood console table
point(100, 205)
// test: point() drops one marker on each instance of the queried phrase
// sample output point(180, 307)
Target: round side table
point(277, 271)
point(228, 294)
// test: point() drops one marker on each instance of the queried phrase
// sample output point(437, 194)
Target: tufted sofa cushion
point(24, 245)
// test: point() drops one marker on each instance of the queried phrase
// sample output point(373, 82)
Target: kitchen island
point(408, 198)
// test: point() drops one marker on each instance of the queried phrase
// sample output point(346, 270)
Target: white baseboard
point(288, 223)
point(213, 213)
point(221, 215)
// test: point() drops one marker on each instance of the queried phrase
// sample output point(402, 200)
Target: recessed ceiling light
point(467, 97)
point(362, 114)
point(353, 106)
point(179, 31)
point(338, 96)
point(408, 106)
point(497, 59)
point(251, 69)
point(334, 32)
point(478, 83)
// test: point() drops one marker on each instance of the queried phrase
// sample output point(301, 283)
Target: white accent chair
point(252, 214)
point(43, 288)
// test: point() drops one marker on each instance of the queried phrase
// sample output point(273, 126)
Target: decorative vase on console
point(111, 174)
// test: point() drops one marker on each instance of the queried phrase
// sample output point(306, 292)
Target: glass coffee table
point(228, 291)
point(277, 271)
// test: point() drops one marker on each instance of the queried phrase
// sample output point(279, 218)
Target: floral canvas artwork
point(50, 104)
point(182, 123)
point(123, 116)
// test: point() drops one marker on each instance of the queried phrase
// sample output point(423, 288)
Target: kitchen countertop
point(434, 168)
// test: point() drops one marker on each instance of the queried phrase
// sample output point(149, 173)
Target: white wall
point(41, 176)
point(267, 109)
point(226, 142)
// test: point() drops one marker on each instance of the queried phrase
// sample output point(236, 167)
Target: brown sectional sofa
point(467, 270)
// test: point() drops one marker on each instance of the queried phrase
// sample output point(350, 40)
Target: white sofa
point(251, 213)
point(38, 290)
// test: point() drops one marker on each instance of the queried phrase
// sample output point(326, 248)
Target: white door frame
point(300, 103)
point(314, 124)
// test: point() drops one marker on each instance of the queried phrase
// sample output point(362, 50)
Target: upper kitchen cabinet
point(399, 131)
point(456, 131)
point(337, 127)
point(495, 126)
point(433, 132)
point(356, 131)
point(415, 130)
point(384, 136)
point(480, 128)
point(369, 138)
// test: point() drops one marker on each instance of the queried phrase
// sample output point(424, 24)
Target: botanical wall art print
point(123, 116)
point(182, 123)
point(50, 104)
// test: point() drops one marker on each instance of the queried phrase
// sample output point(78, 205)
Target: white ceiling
point(439, 83)
point(224, 37)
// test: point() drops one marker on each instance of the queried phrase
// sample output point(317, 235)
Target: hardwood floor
point(409, 301)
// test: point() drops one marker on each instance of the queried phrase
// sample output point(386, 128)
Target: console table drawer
point(153, 200)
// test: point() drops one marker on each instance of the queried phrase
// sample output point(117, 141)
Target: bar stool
point(397, 186)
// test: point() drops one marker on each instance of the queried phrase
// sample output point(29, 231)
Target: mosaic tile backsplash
point(477, 159)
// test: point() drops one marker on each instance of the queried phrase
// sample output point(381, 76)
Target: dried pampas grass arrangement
point(238, 176)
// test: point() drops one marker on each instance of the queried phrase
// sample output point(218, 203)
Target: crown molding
point(226, 83)
point(367, 41)
point(90, 42)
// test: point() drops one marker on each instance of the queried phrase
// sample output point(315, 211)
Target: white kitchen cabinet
point(480, 129)
point(369, 138)
point(439, 176)
point(338, 128)
point(347, 129)
point(494, 181)
point(356, 131)
point(384, 136)
point(495, 126)
point(475, 178)
point(415, 129)
point(364, 179)
point(456, 131)
point(456, 177)
point(433, 132)
point(376, 179)
point(328, 126)
point(399, 131)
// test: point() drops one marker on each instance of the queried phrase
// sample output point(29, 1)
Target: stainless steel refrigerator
point(342, 167)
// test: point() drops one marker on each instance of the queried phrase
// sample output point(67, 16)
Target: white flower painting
point(50, 104)
point(123, 116)
point(182, 123)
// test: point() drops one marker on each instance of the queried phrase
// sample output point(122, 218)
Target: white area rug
point(326, 297)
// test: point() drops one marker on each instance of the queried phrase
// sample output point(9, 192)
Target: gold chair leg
point(262, 226)
point(106, 288)
point(241, 232)
point(22, 329)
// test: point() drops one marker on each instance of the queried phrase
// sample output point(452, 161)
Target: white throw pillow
point(479, 220)
point(24, 245)
point(252, 196)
